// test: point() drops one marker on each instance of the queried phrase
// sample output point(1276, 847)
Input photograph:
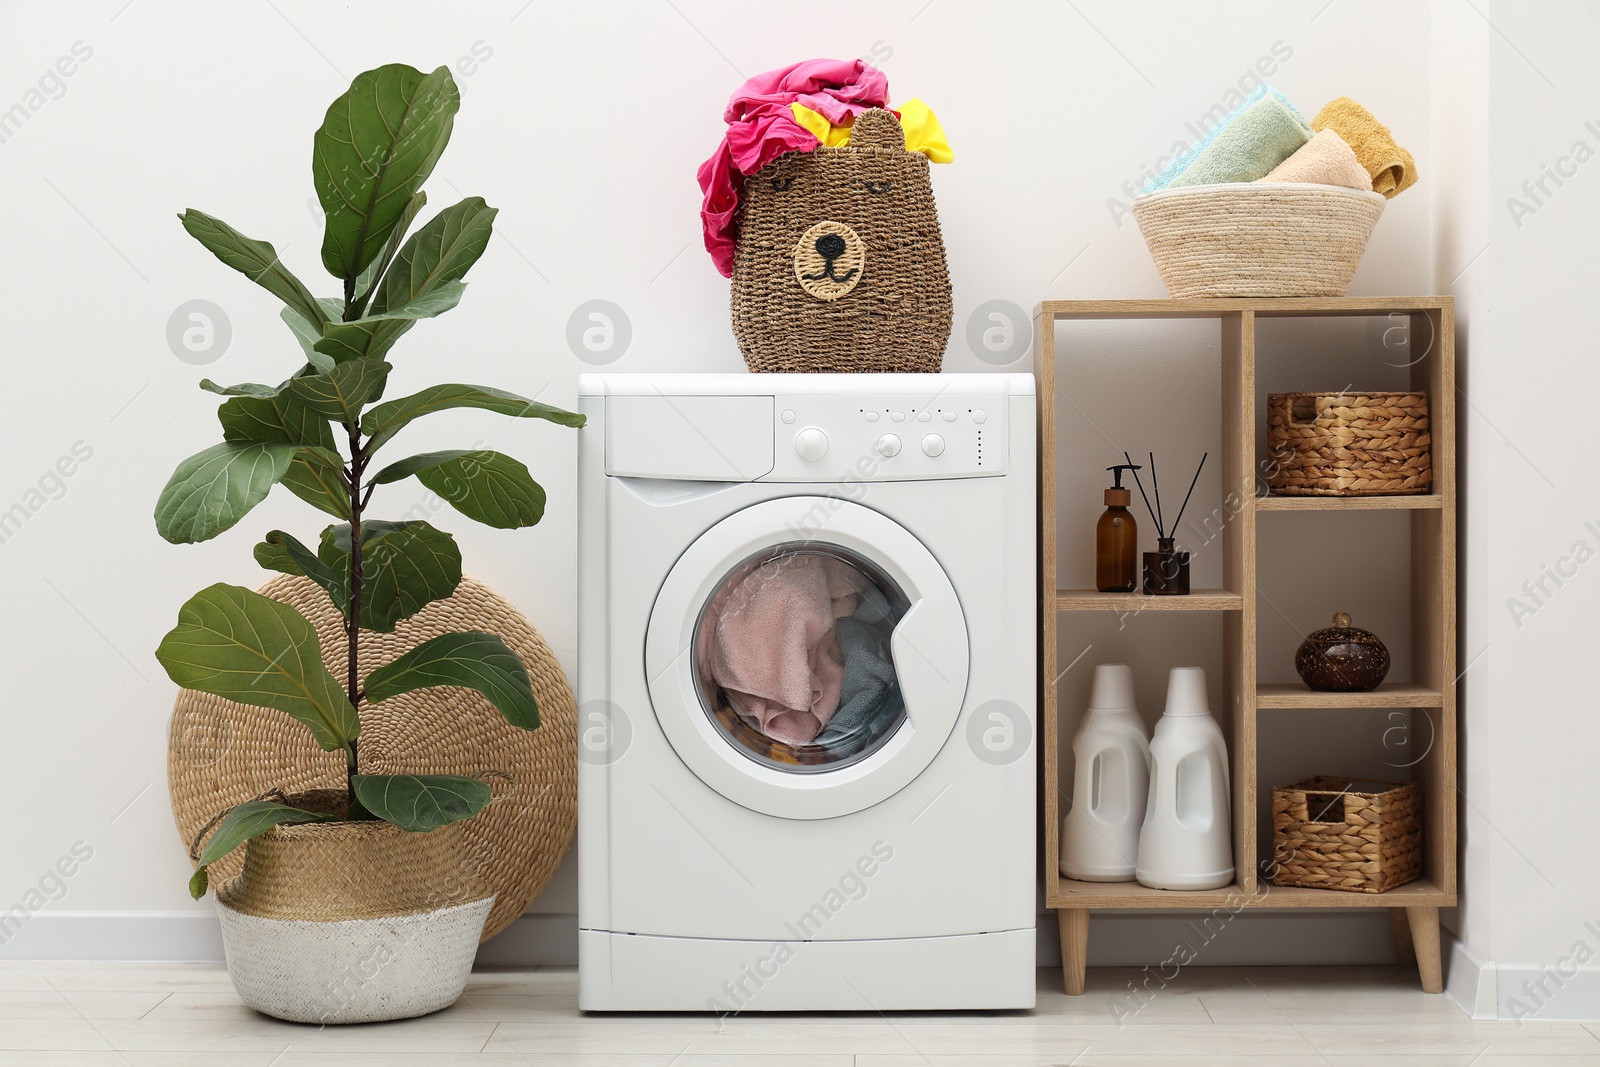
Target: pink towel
point(761, 128)
point(770, 643)
point(1323, 160)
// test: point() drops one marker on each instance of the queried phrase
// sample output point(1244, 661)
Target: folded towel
point(1391, 167)
point(1323, 160)
point(1269, 132)
point(1187, 158)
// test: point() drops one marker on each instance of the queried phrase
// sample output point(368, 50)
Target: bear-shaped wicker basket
point(840, 264)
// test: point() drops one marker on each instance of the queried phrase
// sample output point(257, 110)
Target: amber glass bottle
point(1116, 542)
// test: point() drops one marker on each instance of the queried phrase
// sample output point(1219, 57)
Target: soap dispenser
point(1116, 539)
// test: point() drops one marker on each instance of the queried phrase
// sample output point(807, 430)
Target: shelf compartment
point(1198, 600)
point(1387, 695)
point(1068, 893)
point(1421, 502)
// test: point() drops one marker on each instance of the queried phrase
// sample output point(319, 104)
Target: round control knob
point(811, 444)
point(933, 445)
point(980, 417)
point(888, 445)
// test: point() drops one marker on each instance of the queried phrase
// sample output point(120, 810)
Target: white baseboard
point(1469, 981)
point(1542, 993)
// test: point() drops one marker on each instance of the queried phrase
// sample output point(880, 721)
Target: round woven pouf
point(220, 753)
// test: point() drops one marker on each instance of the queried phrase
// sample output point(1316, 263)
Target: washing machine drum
point(807, 657)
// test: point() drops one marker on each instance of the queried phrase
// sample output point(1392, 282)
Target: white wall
point(584, 124)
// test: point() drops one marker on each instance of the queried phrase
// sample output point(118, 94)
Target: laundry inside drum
point(793, 661)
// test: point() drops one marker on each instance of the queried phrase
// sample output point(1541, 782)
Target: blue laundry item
point(870, 687)
point(1183, 162)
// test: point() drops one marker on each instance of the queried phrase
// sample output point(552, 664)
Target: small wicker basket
point(1257, 238)
point(1332, 833)
point(1349, 444)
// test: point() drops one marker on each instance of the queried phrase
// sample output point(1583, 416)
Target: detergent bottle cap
point(1186, 692)
point(1113, 688)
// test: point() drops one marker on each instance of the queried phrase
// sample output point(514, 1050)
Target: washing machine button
point(872, 416)
point(924, 416)
point(788, 415)
point(888, 445)
point(811, 444)
point(980, 417)
point(933, 445)
point(948, 416)
point(897, 416)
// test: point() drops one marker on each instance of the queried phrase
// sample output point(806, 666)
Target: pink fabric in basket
point(761, 128)
point(768, 640)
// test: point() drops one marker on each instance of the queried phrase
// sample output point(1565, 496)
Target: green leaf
point(387, 419)
point(308, 335)
point(261, 392)
point(377, 145)
point(489, 487)
point(405, 565)
point(342, 392)
point(373, 336)
point(471, 660)
point(212, 490)
point(421, 802)
point(256, 260)
point(439, 253)
point(250, 819)
point(281, 552)
point(239, 645)
point(319, 482)
point(278, 418)
point(369, 277)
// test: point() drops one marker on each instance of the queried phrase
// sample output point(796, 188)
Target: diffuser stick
point(1155, 487)
point(1140, 484)
point(1190, 493)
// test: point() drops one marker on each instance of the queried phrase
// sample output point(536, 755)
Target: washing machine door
point(807, 657)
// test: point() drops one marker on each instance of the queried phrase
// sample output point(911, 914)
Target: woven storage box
point(1326, 835)
point(1257, 239)
point(1349, 444)
point(840, 264)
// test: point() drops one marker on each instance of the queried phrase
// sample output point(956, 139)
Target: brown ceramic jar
point(1342, 658)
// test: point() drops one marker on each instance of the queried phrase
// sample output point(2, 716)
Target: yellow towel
point(1323, 160)
point(1392, 169)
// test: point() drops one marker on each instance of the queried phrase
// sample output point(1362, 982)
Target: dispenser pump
point(1116, 496)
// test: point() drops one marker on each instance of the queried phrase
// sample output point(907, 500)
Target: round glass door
point(806, 678)
point(794, 666)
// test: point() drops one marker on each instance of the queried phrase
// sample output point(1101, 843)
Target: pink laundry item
point(768, 641)
point(761, 128)
point(1324, 160)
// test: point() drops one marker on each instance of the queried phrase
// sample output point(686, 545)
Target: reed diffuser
point(1166, 570)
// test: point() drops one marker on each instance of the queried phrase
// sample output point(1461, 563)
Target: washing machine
point(807, 676)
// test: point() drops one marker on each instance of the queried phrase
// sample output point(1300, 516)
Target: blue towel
point(1281, 128)
point(870, 688)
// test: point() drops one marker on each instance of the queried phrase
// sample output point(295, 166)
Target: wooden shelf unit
point(1413, 908)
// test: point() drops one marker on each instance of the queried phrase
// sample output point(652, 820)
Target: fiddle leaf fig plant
point(318, 434)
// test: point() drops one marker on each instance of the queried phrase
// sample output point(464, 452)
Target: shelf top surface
point(1068, 893)
point(1195, 309)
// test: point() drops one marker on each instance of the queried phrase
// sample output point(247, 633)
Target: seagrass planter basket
point(1352, 835)
point(1349, 444)
point(1254, 239)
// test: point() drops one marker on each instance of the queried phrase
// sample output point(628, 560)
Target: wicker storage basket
point(1328, 835)
point(840, 264)
point(1349, 444)
point(1257, 239)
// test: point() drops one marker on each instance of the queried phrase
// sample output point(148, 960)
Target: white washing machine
point(807, 669)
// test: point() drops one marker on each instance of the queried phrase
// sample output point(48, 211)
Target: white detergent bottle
point(1186, 842)
point(1100, 835)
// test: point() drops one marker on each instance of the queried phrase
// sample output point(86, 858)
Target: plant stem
point(352, 626)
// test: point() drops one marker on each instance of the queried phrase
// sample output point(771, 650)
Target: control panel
point(884, 438)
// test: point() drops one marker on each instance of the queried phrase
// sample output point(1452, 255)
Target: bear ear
point(877, 128)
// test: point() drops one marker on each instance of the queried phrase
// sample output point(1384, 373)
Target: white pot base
point(355, 970)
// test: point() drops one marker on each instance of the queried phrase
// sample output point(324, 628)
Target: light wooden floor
point(131, 1015)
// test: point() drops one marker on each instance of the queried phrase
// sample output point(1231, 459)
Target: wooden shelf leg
point(1074, 925)
point(1400, 924)
point(1424, 922)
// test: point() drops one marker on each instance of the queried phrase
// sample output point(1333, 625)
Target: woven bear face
point(840, 264)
